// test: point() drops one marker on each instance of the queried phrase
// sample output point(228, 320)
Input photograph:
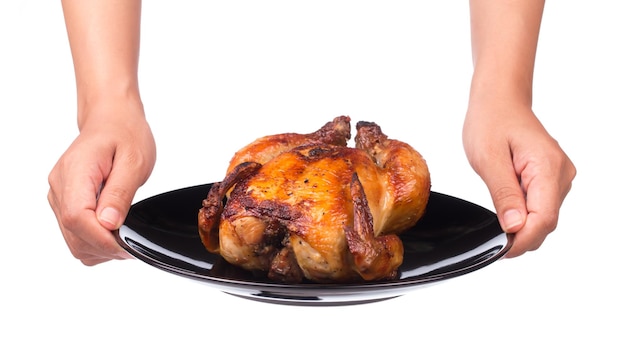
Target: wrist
point(109, 105)
point(501, 88)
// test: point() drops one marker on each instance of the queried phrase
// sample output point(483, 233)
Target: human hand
point(526, 171)
point(93, 183)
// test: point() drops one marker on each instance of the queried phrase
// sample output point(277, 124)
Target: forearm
point(504, 44)
point(104, 41)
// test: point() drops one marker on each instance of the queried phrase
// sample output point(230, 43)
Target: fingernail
point(111, 216)
point(511, 219)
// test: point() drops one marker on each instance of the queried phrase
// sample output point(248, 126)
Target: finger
point(98, 247)
point(117, 193)
point(93, 260)
point(85, 237)
point(543, 200)
point(506, 192)
point(101, 243)
point(530, 237)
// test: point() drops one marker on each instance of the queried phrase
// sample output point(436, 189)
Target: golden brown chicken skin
point(319, 211)
point(335, 132)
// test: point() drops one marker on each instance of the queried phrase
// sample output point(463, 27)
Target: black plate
point(453, 238)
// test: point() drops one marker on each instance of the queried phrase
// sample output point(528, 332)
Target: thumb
point(511, 214)
point(115, 199)
point(506, 192)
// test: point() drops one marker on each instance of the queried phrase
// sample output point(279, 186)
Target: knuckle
point(550, 221)
point(506, 193)
point(118, 193)
point(69, 218)
point(76, 247)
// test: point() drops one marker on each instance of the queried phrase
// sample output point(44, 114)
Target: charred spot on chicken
point(308, 207)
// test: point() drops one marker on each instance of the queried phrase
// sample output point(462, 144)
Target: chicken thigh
point(315, 209)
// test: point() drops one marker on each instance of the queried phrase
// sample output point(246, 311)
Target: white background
point(215, 76)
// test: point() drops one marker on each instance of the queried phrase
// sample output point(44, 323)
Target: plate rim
point(227, 285)
point(409, 281)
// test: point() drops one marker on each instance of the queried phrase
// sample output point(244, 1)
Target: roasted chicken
point(308, 207)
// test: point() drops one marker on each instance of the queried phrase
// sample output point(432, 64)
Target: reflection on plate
point(453, 238)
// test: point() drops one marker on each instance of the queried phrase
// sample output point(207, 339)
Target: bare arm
point(115, 152)
point(525, 170)
point(104, 39)
point(504, 43)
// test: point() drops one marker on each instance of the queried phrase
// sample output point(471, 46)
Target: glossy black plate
point(453, 238)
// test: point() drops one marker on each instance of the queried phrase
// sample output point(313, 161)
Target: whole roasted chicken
point(308, 207)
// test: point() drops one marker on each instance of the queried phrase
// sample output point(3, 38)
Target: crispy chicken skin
point(309, 207)
point(335, 132)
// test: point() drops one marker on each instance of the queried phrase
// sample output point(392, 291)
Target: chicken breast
point(307, 207)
